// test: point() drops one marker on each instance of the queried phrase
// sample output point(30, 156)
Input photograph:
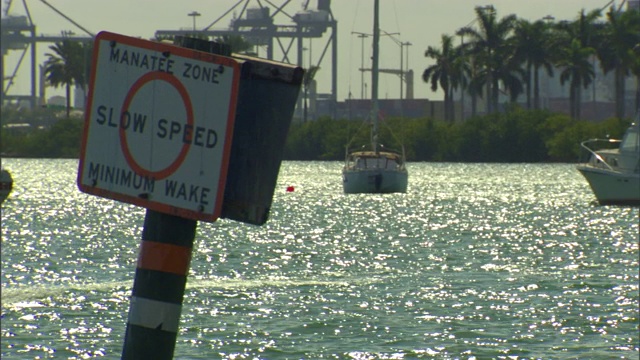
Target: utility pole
point(194, 14)
point(374, 73)
point(362, 36)
point(406, 59)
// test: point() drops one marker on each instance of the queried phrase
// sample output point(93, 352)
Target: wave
point(27, 296)
point(30, 296)
point(235, 283)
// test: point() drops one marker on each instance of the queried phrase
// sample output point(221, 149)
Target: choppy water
point(475, 261)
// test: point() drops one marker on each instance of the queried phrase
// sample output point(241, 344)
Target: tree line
point(40, 133)
point(507, 55)
point(516, 135)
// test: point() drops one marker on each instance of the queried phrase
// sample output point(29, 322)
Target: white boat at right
point(614, 174)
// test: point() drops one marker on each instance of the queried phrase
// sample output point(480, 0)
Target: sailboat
point(376, 170)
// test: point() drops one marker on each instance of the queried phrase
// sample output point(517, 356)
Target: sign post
point(158, 287)
point(159, 133)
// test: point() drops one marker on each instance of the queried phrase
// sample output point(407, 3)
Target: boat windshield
point(631, 140)
point(375, 163)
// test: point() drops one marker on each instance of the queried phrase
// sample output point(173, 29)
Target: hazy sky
point(419, 22)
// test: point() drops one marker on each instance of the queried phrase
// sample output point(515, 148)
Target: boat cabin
point(363, 160)
point(626, 158)
point(631, 140)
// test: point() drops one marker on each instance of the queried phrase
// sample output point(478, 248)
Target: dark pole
point(374, 74)
point(158, 288)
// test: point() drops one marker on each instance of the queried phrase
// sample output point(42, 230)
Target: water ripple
point(474, 261)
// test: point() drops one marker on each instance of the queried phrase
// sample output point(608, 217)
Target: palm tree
point(532, 42)
point(510, 75)
point(490, 47)
point(447, 73)
point(578, 70)
point(586, 30)
point(66, 67)
point(621, 34)
point(475, 86)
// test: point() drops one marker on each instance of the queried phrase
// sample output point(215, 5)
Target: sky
point(418, 22)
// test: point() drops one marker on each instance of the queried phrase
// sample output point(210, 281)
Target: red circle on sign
point(172, 80)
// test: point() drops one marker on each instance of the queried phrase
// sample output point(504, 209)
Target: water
point(476, 261)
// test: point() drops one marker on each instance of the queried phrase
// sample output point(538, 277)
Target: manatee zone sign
point(158, 126)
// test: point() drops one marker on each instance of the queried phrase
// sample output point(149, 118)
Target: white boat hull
point(377, 180)
point(612, 187)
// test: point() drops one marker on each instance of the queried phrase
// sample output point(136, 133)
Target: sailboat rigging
point(375, 170)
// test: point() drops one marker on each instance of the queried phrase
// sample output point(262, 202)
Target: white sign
point(158, 126)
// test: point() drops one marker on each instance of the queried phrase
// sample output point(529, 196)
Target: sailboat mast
point(374, 75)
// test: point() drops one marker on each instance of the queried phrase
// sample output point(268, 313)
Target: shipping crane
point(18, 33)
point(264, 26)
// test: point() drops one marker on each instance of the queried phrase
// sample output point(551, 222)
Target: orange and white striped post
point(158, 288)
